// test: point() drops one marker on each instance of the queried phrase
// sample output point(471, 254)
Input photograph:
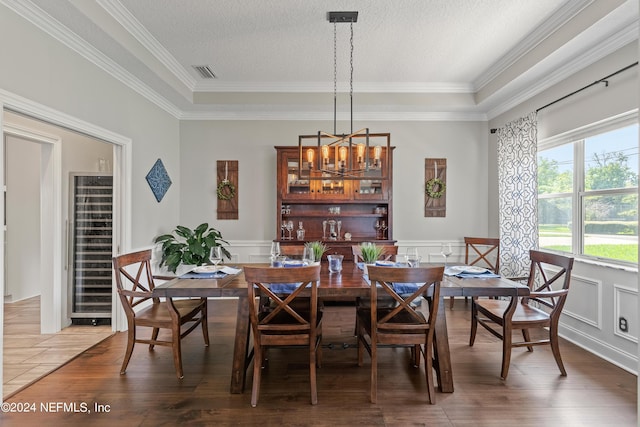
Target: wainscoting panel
point(584, 302)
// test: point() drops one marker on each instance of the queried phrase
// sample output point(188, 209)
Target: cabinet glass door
point(298, 184)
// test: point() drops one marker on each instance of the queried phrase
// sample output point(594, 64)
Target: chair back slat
point(406, 314)
point(483, 252)
point(548, 273)
point(134, 278)
point(304, 279)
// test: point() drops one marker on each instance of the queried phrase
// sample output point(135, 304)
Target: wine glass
point(445, 250)
point(215, 256)
point(377, 227)
point(290, 228)
point(283, 226)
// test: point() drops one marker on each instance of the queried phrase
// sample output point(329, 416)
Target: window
point(588, 192)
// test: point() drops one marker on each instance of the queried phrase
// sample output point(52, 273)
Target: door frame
point(52, 239)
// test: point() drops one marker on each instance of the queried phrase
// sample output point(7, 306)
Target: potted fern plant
point(189, 247)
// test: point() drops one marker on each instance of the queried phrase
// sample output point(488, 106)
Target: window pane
point(554, 219)
point(555, 170)
point(611, 226)
point(611, 159)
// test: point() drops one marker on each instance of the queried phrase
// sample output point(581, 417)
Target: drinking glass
point(411, 256)
point(215, 256)
point(275, 250)
point(307, 256)
point(445, 250)
point(290, 228)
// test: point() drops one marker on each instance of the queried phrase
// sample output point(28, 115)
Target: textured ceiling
point(276, 56)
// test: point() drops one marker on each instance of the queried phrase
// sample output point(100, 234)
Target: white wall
point(46, 72)
point(23, 218)
point(600, 294)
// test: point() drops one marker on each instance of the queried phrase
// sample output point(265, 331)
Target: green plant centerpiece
point(370, 253)
point(190, 247)
point(318, 249)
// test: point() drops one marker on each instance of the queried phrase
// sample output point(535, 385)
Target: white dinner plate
point(385, 263)
point(205, 269)
point(474, 270)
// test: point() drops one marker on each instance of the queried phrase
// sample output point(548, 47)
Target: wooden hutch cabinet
point(332, 207)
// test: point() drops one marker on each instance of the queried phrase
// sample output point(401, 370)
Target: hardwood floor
point(595, 392)
point(29, 355)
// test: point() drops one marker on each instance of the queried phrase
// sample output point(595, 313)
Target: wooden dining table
point(346, 285)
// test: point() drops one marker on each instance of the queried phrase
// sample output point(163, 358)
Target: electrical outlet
point(623, 325)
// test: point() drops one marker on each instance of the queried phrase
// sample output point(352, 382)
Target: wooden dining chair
point(389, 252)
point(285, 323)
point(548, 281)
point(404, 324)
point(135, 282)
point(481, 252)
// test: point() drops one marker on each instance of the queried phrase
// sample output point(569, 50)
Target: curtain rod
point(602, 80)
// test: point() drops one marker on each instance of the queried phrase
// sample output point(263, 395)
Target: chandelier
point(348, 156)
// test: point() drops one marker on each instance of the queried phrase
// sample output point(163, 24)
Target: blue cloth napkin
point(459, 271)
point(284, 288)
point(212, 275)
point(399, 288)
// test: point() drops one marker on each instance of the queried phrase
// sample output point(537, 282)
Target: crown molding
point(608, 46)
point(146, 39)
point(293, 115)
point(55, 29)
point(548, 27)
point(321, 87)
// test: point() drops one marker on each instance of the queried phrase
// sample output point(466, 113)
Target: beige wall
point(463, 144)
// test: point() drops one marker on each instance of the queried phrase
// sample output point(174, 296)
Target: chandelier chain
point(335, 76)
point(351, 76)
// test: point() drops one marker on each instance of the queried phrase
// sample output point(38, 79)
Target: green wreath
point(435, 188)
point(226, 190)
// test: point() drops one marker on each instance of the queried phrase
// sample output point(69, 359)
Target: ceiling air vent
point(204, 71)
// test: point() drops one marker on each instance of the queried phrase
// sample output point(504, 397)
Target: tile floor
point(29, 355)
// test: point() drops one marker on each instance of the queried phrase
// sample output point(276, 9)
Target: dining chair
point(285, 323)
point(548, 281)
point(481, 252)
point(405, 323)
point(389, 252)
point(135, 282)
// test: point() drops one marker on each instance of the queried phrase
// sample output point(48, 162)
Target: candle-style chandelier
point(348, 156)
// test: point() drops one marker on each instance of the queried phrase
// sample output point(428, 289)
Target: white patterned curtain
point(517, 194)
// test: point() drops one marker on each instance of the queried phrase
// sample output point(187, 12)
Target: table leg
point(239, 368)
point(441, 350)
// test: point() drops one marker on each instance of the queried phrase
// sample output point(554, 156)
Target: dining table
point(349, 284)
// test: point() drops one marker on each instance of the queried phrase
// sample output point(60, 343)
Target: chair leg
point(205, 323)
point(312, 372)
point(555, 348)
point(506, 351)
point(257, 372)
point(415, 353)
point(374, 373)
point(525, 335)
point(451, 300)
point(177, 350)
point(131, 342)
point(474, 323)
point(428, 368)
point(154, 337)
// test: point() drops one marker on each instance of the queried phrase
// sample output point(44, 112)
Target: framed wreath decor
point(226, 190)
point(435, 188)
